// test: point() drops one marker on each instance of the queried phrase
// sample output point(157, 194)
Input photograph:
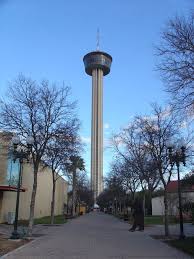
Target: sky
point(47, 39)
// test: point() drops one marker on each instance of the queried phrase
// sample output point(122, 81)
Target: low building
point(158, 206)
point(9, 171)
point(187, 194)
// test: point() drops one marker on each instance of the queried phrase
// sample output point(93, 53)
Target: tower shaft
point(97, 64)
point(97, 132)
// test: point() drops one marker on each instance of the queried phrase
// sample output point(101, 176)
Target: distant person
point(138, 216)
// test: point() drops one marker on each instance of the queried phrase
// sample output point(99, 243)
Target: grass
point(154, 220)
point(59, 219)
point(186, 245)
point(151, 220)
point(158, 220)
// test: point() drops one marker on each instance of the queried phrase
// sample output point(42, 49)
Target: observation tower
point(97, 64)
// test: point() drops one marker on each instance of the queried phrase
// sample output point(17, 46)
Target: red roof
point(10, 188)
point(173, 187)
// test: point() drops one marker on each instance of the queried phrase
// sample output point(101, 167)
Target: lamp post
point(21, 155)
point(177, 157)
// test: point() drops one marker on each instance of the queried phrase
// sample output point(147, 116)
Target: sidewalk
point(174, 230)
point(6, 230)
point(95, 236)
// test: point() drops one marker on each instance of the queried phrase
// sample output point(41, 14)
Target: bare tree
point(176, 63)
point(84, 193)
point(137, 163)
point(35, 109)
point(127, 175)
point(158, 130)
point(60, 147)
point(143, 148)
point(115, 189)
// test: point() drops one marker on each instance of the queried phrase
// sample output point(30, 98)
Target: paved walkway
point(95, 236)
point(174, 229)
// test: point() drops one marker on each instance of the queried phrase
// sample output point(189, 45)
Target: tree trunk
point(74, 193)
point(166, 223)
point(149, 203)
point(32, 204)
point(79, 207)
point(53, 202)
point(133, 195)
point(120, 207)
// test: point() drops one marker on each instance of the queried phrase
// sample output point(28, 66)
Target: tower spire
point(98, 40)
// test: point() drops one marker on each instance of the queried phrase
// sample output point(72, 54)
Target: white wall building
point(158, 202)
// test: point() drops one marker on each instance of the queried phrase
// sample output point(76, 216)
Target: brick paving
point(95, 236)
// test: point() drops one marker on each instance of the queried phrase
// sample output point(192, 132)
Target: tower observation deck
point(97, 64)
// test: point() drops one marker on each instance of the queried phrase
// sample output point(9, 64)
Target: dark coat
point(138, 214)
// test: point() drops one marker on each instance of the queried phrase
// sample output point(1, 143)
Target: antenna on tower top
point(98, 40)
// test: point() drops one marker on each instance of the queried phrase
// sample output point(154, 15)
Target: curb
point(17, 249)
point(29, 243)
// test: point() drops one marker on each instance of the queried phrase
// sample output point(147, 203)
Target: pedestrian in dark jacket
point(138, 215)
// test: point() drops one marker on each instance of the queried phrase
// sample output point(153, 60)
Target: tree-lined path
point(95, 235)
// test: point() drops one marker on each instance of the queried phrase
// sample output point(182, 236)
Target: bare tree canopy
point(126, 174)
point(64, 143)
point(84, 194)
point(130, 147)
point(142, 152)
point(38, 110)
point(176, 63)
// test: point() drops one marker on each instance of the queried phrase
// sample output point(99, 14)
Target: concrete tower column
point(100, 131)
point(94, 132)
point(97, 64)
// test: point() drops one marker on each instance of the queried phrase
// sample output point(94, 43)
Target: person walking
point(138, 215)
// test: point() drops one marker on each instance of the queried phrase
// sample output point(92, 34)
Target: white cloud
point(107, 143)
point(106, 125)
point(86, 140)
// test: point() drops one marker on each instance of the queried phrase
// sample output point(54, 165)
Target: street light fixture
point(177, 157)
point(21, 155)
